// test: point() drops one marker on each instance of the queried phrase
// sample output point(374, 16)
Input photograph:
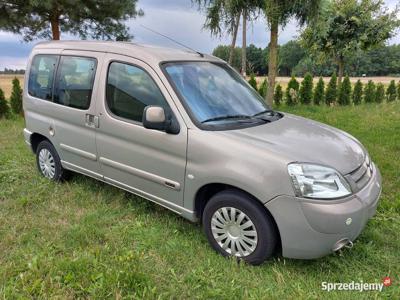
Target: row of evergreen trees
point(15, 101)
point(332, 94)
point(303, 93)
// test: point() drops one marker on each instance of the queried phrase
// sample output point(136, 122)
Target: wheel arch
point(36, 139)
point(207, 191)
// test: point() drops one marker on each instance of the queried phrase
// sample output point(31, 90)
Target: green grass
point(85, 239)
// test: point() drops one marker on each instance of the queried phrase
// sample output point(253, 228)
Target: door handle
point(92, 121)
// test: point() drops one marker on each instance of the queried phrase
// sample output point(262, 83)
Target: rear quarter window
point(41, 76)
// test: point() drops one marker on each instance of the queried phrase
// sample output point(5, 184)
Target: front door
point(147, 162)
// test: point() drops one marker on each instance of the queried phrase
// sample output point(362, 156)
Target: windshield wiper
point(264, 112)
point(227, 117)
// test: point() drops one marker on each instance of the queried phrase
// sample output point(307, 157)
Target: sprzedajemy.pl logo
point(356, 286)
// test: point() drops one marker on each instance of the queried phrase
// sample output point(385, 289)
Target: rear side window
point(74, 81)
point(41, 76)
point(129, 90)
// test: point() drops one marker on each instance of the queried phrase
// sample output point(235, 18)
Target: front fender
point(214, 158)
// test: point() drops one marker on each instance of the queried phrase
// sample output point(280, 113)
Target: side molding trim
point(81, 170)
point(140, 173)
point(79, 152)
point(169, 205)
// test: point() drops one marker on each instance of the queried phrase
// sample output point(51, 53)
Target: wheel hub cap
point(46, 163)
point(234, 231)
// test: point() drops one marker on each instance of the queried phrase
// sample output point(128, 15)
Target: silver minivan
point(184, 130)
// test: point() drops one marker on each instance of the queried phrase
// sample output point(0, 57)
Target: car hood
point(302, 140)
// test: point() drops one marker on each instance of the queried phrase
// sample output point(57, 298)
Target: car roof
point(147, 53)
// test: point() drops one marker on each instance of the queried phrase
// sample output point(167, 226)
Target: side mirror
point(154, 117)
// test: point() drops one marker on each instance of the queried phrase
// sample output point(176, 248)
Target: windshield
point(214, 93)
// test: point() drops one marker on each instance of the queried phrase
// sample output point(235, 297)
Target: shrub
point(306, 89)
point(331, 90)
point(263, 88)
point(391, 92)
point(345, 91)
point(278, 95)
point(369, 92)
point(253, 82)
point(4, 109)
point(319, 92)
point(16, 97)
point(292, 91)
point(398, 91)
point(380, 93)
point(357, 93)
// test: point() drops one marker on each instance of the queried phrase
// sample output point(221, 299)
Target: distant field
point(5, 81)
point(6, 85)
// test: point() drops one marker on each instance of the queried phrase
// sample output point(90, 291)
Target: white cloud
point(13, 62)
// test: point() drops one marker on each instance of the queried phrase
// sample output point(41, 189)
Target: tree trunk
point(55, 27)
point(244, 43)
point(233, 45)
point(341, 69)
point(272, 62)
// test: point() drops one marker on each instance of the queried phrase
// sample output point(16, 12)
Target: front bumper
point(310, 228)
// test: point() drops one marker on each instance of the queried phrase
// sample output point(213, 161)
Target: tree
point(289, 56)
point(278, 95)
point(263, 88)
point(253, 82)
point(369, 92)
point(331, 90)
point(4, 109)
point(224, 15)
point(279, 12)
point(391, 91)
point(350, 25)
point(292, 91)
point(45, 19)
point(319, 92)
point(306, 89)
point(345, 92)
point(358, 92)
point(380, 93)
point(380, 61)
point(223, 52)
point(235, 29)
point(16, 97)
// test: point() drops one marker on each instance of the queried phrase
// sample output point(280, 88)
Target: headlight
point(314, 181)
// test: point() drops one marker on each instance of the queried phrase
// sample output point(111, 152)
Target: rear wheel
point(48, 161)
point(238, 226)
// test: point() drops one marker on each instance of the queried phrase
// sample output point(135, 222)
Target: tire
point(252, 242)
point(48, 162)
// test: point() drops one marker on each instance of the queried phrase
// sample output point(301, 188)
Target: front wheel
point(238, 226)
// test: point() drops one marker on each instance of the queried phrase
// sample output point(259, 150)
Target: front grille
point(361, 176)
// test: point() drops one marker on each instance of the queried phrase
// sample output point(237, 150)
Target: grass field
point(86, 239)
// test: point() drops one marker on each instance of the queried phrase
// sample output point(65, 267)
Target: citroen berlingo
point(186, 131)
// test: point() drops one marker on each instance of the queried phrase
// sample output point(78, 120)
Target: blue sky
point(176, 18)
